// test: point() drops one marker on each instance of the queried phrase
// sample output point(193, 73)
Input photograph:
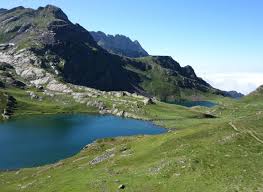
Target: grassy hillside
point(198, 154)
point(164, 78)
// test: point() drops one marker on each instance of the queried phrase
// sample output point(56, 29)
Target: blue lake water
point(41, 140)
point(187, 103)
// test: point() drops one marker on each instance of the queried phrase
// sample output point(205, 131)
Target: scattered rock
point(259, 113)
point(18, 84)
point(41, 81)
point(32, 73)
point(119, 94)
point(108, 154)
point(148, 101)
point(50, 94)
point(5, 117)
point(122, 186)
point(32, 95)
point(120, 113)
point(54, 85)
point(207, 115)
point(40, 87)
point(6, 46)
point(4, 66)
point(98, 104)
point(177, 174)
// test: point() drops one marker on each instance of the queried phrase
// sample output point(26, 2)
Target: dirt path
point(254, 136)
point(233, 126)
point(249, 132)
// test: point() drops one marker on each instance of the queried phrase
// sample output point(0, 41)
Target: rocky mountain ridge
point(235, 94)
point(47, 50)
point(119, 44)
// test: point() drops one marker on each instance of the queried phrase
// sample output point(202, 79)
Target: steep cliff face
point(119, 44)
point(44, 46)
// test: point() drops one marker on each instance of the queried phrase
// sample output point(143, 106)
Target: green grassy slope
point(164, 78)
point(57, 104)
point(202, 154)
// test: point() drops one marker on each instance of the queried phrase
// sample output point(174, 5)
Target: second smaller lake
point(187, 103)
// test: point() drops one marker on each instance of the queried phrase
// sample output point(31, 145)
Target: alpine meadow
point(84, 110)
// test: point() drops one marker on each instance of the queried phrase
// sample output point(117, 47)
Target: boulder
point(115, 111)
point(41, 81)
point(18, 84)
point(58, 87)
point(32, 95)
point(4, 66)
point(120, 113)
point(148, 101)
point(122, 186)
point(32, 73)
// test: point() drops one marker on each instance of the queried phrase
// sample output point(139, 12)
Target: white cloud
point(241, 82)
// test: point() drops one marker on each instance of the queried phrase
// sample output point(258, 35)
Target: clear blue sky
point(213, 36)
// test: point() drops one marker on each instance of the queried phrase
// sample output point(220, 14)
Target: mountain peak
point(2, 10)
point(119, 44)
point(136, 42)
point(17, 8)
point(234, 94)
point(53, 10)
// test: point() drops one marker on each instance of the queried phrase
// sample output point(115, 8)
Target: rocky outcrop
point(257, 92)
point(6, 46)
point(148, 101)
point(54, 85)
point(8, 77)
point(10, 106)
point(108, 154)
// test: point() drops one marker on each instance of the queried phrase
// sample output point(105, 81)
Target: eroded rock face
point(41, 81)
point(27, 66)
point(54, 85)
point(32, 73)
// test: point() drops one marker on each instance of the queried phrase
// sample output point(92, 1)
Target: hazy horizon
point(222, 40)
